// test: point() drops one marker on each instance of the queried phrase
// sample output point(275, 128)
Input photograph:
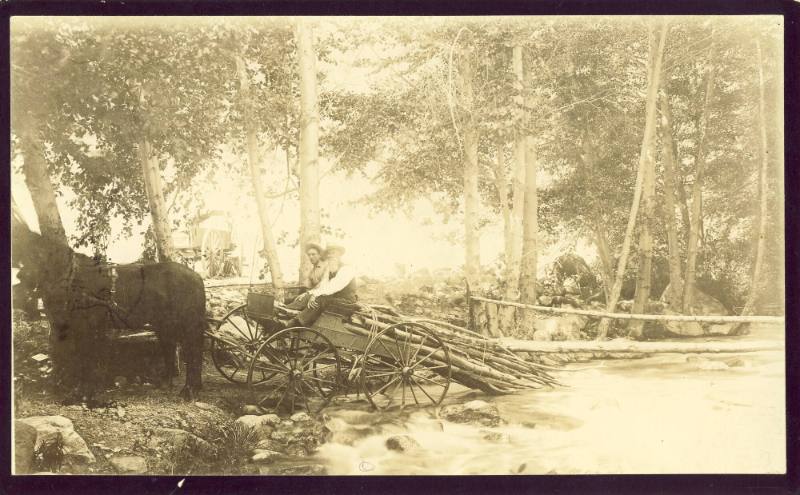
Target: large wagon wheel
point(236, 339)
point(301, 369)
point(405, 364)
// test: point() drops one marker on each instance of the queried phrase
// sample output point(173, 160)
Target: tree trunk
point(155, 195)
point(514, 245)
point(38, 181)
point(697, 202)
point(601, 242)
point(598, 230)
point(308, 151)
point(472, 260)
point(155, 198)
point(673, 298)
point(513, 268)
point(501, 184)
point(654, 78)
point(270, 249)
point(758, 260)
point(645, 274)
point(530, 228)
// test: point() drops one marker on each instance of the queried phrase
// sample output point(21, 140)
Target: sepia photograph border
point(384, 485)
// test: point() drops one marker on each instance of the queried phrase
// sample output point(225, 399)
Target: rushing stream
point(667, 413)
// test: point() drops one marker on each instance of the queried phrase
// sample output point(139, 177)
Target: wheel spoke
point(274, 357)
point(391, 396)
point(316, 391)
point(403, 401)
point(324, 366)
point(432, 381)
point(262, 366)
point(234, 371)
point(283, 396)
point(405, 346)
point(247, 322)
point(312, 360)
point(394, 372)
point(390, 352)
point(238, 329)
point(417, 351)
point(293, 350)
point(424, 391)
point(320, 380)
point(426, 368)
point(385, 385)
point(433, 351)
point(411, 387)
point(399, 349)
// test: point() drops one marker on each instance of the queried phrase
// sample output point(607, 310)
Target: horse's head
point(40, 260)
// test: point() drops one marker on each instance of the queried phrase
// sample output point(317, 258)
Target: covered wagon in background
point(208, 246)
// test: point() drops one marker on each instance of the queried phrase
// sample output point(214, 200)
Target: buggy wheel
point(302, 368)
point(406, 364)
point(236, 339)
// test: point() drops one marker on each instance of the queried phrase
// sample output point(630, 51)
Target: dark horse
point(84, 299)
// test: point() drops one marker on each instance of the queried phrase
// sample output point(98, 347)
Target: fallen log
point(778, 320)
point(623, 345)
point(475, 361)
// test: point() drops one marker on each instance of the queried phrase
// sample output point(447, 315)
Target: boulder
point(178, 439)
point(703, 304)
point(295, 470)
point(206, 406)
point(476, 411)
point(263, 425)
point(559, 327)
point(129, 464)
point(251, 410)
point(265, 456)
point(24, 444)
point(401, 443)
point(49, 427)
point(300, 417)
point(270, 444)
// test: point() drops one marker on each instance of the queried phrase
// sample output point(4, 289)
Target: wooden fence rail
point(629, 316)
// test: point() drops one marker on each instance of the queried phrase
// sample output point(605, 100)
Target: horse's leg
point(192, 347)
point(168, 345)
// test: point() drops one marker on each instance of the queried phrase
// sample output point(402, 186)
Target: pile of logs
point(476, 362)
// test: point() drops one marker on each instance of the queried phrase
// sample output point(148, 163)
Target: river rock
point(129, 464)
point(24, 444)
point(49, 427)
point(178, 439)
point(251, 410)
point(476, 411)
point(703, 304)
point(262, 425)
point(496, 436)
point(265, 456)
point(206, 406)
point(401, 443)
point(712, 365)
point(559, 327)
point(737, 363)
point(300, 417)
point(295, 470)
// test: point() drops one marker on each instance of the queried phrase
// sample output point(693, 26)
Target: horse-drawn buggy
point(397, 365)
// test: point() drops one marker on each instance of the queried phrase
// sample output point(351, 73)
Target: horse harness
point(79, 296)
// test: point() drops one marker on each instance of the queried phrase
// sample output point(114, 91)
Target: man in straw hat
point(338, 285)
point(315, 274)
